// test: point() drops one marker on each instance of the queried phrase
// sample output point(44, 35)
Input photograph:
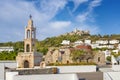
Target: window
point(33, 35)
point(98, 59)
point(28, 33)
point(27, 48)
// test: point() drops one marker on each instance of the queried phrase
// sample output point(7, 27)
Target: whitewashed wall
point(116, 67)
point(10, 75)
point(3, 64)
point(76, 69)
point(1, 71)
point(111, 76)
point(14, 76)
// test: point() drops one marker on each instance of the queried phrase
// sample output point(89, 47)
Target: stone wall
point(58, 55)
point(99, 58)
point(34, 71)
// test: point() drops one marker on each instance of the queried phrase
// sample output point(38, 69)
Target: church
point(30, 57)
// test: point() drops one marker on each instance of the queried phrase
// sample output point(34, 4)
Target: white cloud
point(94, 3)
point(77, 3)
point(60, 24)
point(14, 16)
point(51, 7)
point(82, 17)
point(54, 28)
point(87, 15)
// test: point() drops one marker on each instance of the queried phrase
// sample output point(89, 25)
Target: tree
point(77, 55)
point(108, 58)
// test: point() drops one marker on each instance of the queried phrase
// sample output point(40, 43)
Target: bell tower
point(30, 57)
point(30, 37)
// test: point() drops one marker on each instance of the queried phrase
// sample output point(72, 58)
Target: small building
point(78, 42)
point(102, 42)
point(118, 47)
point(87, 42)
point(65, 42)
point(114, 41)
point(6, 49)
point(94, 45)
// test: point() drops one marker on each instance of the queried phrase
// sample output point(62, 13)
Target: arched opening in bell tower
point(33, 34)
point(28, 33)
point(27, 48)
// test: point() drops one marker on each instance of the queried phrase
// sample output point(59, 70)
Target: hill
point(42, 46)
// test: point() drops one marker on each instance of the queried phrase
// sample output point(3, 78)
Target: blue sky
point(55, 17)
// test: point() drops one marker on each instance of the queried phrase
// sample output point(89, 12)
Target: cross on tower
point(30, 16)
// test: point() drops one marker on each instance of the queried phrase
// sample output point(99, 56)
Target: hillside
point(42, 46)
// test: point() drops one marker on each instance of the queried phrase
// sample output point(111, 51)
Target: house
point(114, 41)
point(6, 49)
point(102, 42)
point(87, 42)
point(94, 45)
point(78, 42)
point(118, 46)
point(65, 42)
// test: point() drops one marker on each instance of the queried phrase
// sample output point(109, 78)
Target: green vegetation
point(8, 55)
point(114, 54)
point(42, 46)
point(81, 56)
point(77, 55)
point(18, 47)
point(109, 58)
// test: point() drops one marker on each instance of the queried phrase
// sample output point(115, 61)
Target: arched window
point(33, 34)
point(67, 61)
point(28, 33)
point(98, 59)
point(27, 48)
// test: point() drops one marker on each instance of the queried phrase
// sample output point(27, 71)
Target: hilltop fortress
point(78, 32)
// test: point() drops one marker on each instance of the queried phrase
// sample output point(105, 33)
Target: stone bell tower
point(29, 58)
point(30, 37)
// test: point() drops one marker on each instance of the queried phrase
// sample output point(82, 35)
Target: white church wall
point(14, 76)
point(3, 64)
point(111, 76)
point(76, 69)
point(10, 75)
point(1, 71)
point(116, 67)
